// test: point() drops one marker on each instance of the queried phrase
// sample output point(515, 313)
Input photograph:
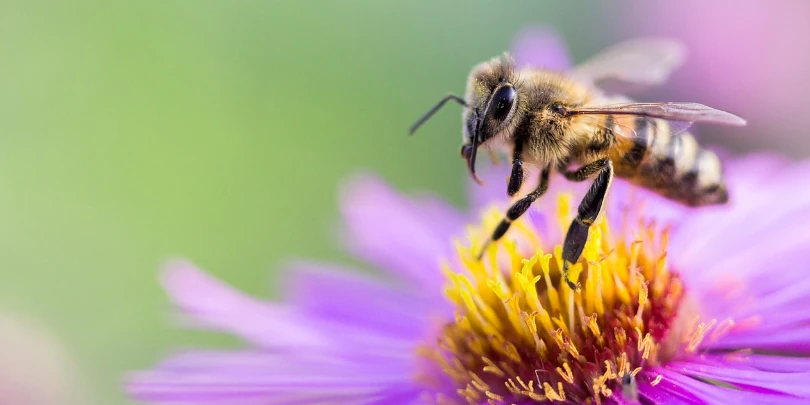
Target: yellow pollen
point(567, 375)
point(522, 335)
point(593, 325)
point(492, 395)
point(551, 394)
point(699, 334)
point(609, 371)
point(492, 368)
point(657, 380)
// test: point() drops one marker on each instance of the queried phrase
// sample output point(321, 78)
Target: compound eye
point(502, 102)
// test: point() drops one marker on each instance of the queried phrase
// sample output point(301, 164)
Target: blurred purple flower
point(541, 47)
point(749, 57)
point(710, 308)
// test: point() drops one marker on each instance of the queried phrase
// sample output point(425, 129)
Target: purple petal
point(781, 302)
point(768, 223)
point(344, 296)
point(542, 213)
point(753, 168)
point(766, 317)
point(260, 377)
point(787, 383)
point(773, 295)
point(774, 363)
point(399, 395)
point(441, 214)
point(712, 238)
point(492, 192)
point(541, 47)
point(665, 392)
point(713, 394)
point(395, 234)
point(631, 203)
point(790, 340)
point(218, 306)
point(747, 176)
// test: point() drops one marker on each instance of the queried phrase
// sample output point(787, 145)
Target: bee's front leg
point(516, 210)
point(516, 177)
point(587, 213)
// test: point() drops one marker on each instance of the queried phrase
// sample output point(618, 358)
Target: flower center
point(522, 335)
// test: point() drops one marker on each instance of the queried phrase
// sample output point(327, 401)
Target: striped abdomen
point(673, 166)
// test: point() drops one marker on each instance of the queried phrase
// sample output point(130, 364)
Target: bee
point(551, 120)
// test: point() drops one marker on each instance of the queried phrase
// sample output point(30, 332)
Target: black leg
point(587, 213)
point(517, 209)
point(516, 177)
point(585, 172)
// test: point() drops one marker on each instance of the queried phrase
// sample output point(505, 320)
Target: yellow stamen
point(593, 325)
point(699, 334)
point(657, 380)
point(567, 375)
point(492, 367)
point(552, 395)
point(521, 334)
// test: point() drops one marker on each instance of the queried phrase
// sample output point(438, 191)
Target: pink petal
point(219, 306)
point(788, 383)
point(261, 378)
point(713, 394)
point(665, 392)
point(796, 339)
point(395, 234)
point(345, 296)
point(774, 363)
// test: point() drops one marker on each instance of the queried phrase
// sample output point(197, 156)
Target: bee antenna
point(435, 108)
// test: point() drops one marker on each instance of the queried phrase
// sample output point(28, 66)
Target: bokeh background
point(133, 132)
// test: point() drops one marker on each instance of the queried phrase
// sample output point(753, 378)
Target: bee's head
point(492, 102)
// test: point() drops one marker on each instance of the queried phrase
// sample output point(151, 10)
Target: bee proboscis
point(552, 120)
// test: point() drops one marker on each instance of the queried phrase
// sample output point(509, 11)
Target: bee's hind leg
point(587, 213)
point(516, 210)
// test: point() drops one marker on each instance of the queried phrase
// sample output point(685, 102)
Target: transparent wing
point(628, 126)
point(647, 62)
point(671, 111)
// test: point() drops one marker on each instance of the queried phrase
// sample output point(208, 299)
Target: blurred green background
point(132, 132)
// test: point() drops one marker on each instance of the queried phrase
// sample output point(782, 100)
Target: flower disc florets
point(522, 335)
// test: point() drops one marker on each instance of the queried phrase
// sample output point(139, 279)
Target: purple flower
point(676, 305)
point(721, 313)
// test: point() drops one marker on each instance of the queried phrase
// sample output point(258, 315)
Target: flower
point(703, 306)
point(676, 305)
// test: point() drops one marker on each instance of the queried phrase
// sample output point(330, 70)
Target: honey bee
point(551, 120)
